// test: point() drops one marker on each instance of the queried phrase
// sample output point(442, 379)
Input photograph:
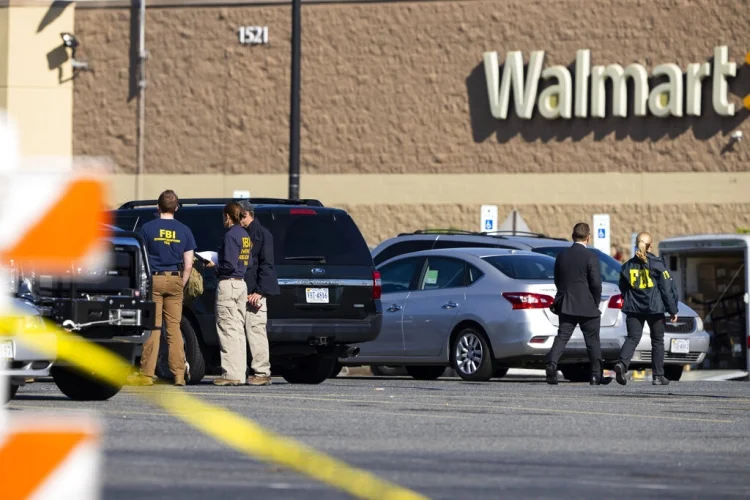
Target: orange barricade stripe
point(70, 230)
point(29, 457)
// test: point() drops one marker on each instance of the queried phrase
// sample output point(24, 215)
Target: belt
point(165, 273)
point(233, 279)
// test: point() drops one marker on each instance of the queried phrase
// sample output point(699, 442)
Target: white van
point(712, 275)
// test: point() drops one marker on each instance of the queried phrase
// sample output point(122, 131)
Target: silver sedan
point(478, 310)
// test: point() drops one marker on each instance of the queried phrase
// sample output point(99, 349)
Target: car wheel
point(500, 372)
point(12, 391)
point(310, 370)
point(425, 372)
point(387, 371)
point(673, 372)
point(576, 373)
point(196, 365)
point(82, 387)
point(472, 358)
point(336, 370)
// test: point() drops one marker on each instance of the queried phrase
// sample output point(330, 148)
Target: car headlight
point(33, 322)
point(698, 324)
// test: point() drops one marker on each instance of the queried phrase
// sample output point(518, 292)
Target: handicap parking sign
point(601, 233)
point(488, 224)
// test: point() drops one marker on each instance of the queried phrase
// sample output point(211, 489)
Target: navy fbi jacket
point(647, 288)
point(261, 275)
point(234, 253)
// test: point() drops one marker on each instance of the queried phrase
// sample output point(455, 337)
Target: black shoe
point(660, 380)
point(620, 374)
point(605, 380)
point(552, 374)
point(595, 380)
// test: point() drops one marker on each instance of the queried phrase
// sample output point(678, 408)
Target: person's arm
point(188, 257)
point(557, 273)
point(595, 278)
point(187, 262)
point(229, 254)
point(666, 287)
point(265, 265)
point(624, 282)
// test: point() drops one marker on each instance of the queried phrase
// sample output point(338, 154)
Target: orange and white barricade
point(50, 219)
point(50, 459)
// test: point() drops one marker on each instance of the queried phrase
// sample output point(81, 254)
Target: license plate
point(681, 346)
point(317, 295)
point(7, 349)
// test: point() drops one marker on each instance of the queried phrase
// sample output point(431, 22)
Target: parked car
point(330, 289)
point(23, 362)
point(110, 306)
point(477, 310)
point(688, 329)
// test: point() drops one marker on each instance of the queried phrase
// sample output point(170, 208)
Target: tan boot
point(140, 380)
point(222, 382)
point(256, 380)
point(179, 383)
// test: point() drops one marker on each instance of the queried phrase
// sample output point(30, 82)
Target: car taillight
point(616, 302)
point(302, 211)
point(377, 289)
point(523, 300)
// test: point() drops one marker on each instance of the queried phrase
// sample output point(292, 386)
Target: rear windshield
point(608, 266)
point(524, 267)
point(334, 236)
point(296, 233)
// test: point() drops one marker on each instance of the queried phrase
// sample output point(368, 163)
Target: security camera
point(69, 40)
point(736, 135)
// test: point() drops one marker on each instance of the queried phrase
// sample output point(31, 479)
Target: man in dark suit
point(579, 292)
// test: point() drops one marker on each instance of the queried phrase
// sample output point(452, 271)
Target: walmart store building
point(414, 114)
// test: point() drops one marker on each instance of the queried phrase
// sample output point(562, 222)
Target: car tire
point(336, 370)
point(673, 372)
point(12, 391)
point(471, 355)
point(193, 355)
point(425, 372)
point(500, 372)
point(82, 387)
point(387, 371)
point(310, 370)
point(576, 373)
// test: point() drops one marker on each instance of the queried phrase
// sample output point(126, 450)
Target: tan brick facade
point(399, 88)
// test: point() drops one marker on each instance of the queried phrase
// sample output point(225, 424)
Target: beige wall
point(397, 91)
point(33, 70)
point(397, 87)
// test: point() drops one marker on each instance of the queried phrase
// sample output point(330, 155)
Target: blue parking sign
point(601, 233)
point(488, 224)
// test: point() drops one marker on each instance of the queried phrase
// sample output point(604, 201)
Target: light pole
point(294, 118)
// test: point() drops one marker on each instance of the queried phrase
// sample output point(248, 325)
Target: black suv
point(330, 290)
point(110, 306)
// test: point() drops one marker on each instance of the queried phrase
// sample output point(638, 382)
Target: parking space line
point(449, 405)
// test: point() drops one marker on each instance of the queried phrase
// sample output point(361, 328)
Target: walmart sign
point(587, 98)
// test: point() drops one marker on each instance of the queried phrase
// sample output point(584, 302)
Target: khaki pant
point(168, 297)
point(257, 338)
point(231, 299)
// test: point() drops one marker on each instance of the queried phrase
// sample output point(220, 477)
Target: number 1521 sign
point(253, 35)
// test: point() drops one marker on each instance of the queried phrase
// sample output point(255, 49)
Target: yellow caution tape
point(227, 427)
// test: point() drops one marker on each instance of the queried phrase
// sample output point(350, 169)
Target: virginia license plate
point(317, 295)
point(681, 346)
point(7, 349)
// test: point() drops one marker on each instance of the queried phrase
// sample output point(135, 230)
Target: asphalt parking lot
point(512, 438)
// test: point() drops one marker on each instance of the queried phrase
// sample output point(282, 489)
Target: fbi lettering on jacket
point(167, 236)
